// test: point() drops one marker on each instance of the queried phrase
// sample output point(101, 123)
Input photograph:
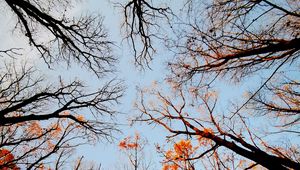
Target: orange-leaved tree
point(179, 157)
point(133, 147)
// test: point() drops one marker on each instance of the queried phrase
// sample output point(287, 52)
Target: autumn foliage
point(7, 160)
point(233, 84)
point(133, 148)
point(130, 143)
point(178, 157)
point(229, 100)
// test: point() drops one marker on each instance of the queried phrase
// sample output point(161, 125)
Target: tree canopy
point(230, 98)
point(215, 42)
point(43, 121)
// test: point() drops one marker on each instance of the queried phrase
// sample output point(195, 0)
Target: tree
point(133, 147)
point(179, 156)
point(218, 41)
point(42, 123)
point(81, 39)
point(141, 27)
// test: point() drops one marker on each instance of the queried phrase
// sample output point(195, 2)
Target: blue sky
point(107, 153)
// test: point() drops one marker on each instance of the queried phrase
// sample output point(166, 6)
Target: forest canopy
point(228, 96)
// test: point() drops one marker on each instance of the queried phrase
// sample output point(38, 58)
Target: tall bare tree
point(141, 24)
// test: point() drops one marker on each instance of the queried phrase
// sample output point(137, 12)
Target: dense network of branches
point(77, 38)
point(215, 41)
point(141, 22)
point(42, 121)
point(236, 37)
